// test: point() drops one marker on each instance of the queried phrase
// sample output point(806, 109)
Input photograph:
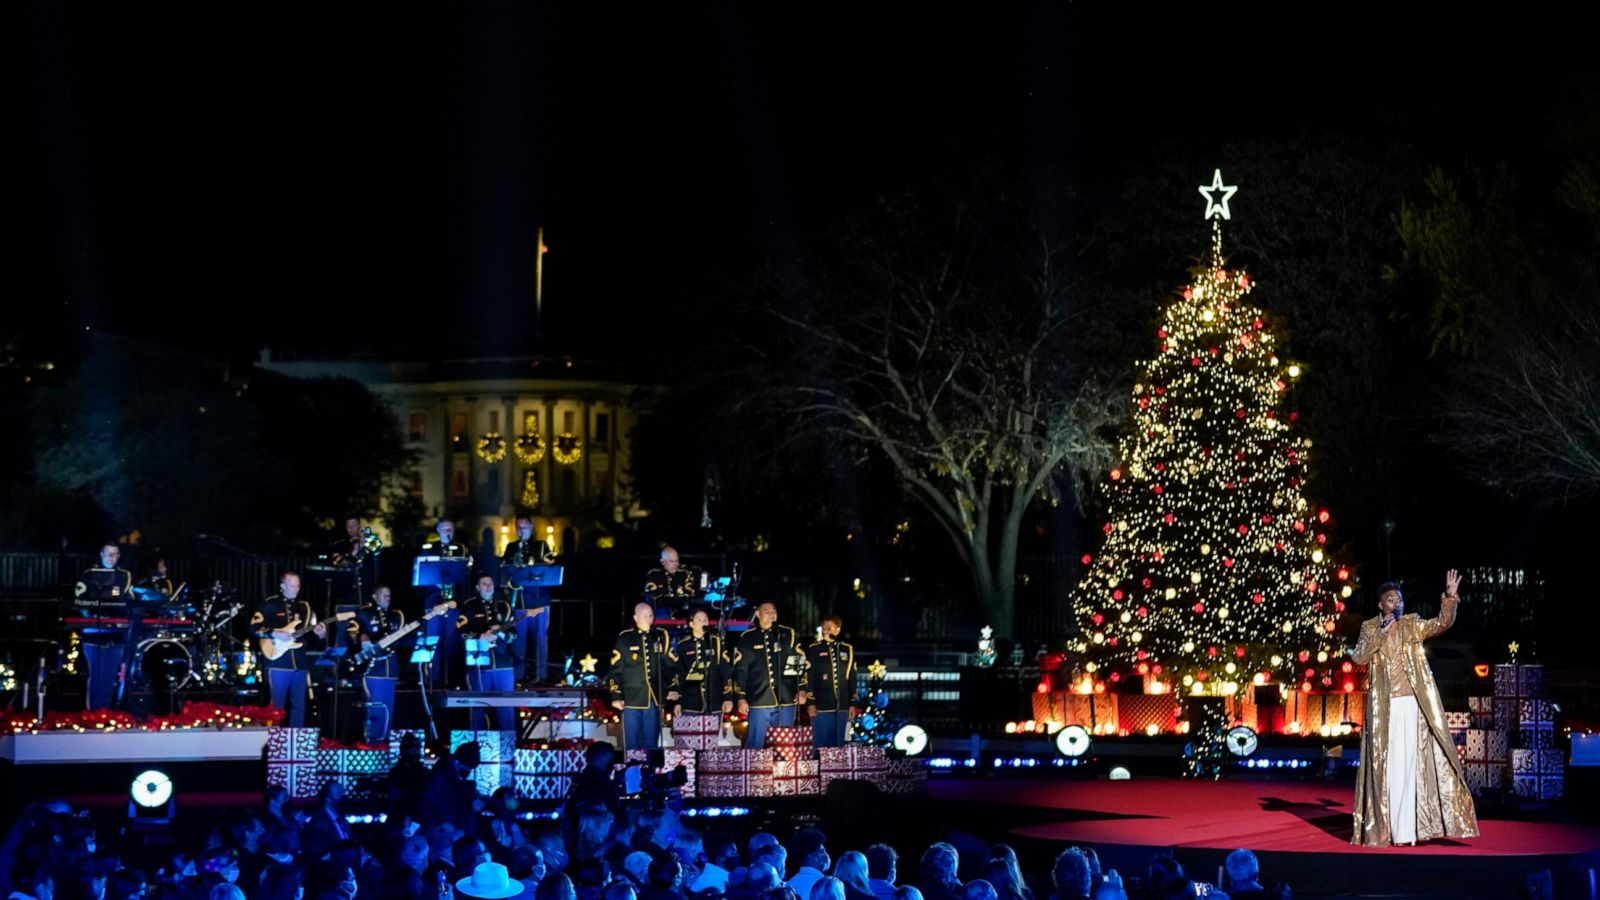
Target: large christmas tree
point(1214, 573)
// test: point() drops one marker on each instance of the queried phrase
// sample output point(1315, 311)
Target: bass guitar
point(372, 650)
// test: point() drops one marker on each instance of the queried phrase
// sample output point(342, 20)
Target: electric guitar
point(370, 651)
point(274, 644)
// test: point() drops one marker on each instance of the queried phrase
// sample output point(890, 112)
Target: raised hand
point(1452, 580)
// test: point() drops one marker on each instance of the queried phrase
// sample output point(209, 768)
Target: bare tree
point(951, 354)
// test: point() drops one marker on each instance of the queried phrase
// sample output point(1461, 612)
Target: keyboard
point(546, 697)
point(110, 624)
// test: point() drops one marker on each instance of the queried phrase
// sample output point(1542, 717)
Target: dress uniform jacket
point(700, 673)
point(274, 615)
point(759, 662)
point(474, 619)
point(641, 668)
point(660, 586)
point(830, 679)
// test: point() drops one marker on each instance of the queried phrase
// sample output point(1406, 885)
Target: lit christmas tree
point(1214, 573)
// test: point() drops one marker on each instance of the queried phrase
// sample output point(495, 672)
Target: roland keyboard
point(548, 697)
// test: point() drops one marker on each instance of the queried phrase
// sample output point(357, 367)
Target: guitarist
point(373, 623)
point(478, 619)
point(288, 676)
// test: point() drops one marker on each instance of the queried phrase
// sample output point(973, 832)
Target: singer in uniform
point(767, 667)
point(830, 683)
point(642, 661)
point(1411, 786)
point(701, 671)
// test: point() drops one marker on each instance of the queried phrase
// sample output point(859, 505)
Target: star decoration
point(986, 633)
point(588, 663)
point(877, 669)
point(1214, 206)
point(1514, 647)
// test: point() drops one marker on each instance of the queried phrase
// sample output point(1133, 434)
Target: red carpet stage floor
point(1279, 816)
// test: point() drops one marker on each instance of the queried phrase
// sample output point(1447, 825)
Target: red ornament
point(1161, 333)
point(1156, 488)
point(1211, 651)
point(1257, 598)
point(1167, 518)
point(1087, 559)
point(1239, 652)
point(1199, 608)
point(1109, 528)
point(1116, 594)
point(1194, 361)
point(1098, 619)
point(1143, 611)
point(1116, 474)
point(1238, 414)
point(1227, 562)
point(1244, 529)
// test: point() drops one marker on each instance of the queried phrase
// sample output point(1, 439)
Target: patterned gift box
point(1482, 711)
point(541, 774)
point(1092, 711)
point(1518, 681)
point(497, 751)
point(796, 778)
point(1483, 776)
point(1457, 721)
point(1532, 713)
point(1333, 709)
point(292, 761)
point(689, 760)
point(1499, 746)
point(1538, 787)
point(1486, 746)
point(858, 762)
point(790, 743)
point(734, 773)
point(1542, 737)
point(692, 732)
point(1537, 762)
point(906, 776)
point(1137, 712)
point(1054, 706)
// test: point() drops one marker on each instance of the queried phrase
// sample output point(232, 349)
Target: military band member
point(374, 622)
point(701, 670)
point(350, 551)
point(157, 578)
point(640, 679)
point(533, 631)
point(446, 668)
point(277, 622)
point(487, 669)
point(105, 589)
point(830, 682)
point(767, 667)
point(671, 584)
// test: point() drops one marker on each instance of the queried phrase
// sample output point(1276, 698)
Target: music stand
point(480, 651)
point(438, 571)
point(326, 670)
point(421, 655)
point(535, 576)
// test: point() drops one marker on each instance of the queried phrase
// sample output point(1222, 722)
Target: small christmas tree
point(1214, 573)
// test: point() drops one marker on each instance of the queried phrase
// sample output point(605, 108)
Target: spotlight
point(1120, 774)
point(151, 789)
point(1073, 741)
point(911, 740)
point(1242, 740)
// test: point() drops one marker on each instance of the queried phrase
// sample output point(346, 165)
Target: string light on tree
point(1209, 538)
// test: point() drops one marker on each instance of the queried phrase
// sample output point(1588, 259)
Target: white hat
point(489, 881)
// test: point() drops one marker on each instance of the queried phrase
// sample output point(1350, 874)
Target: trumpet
point(370, 543)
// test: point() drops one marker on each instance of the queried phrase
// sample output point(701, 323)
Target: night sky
point(331, 179)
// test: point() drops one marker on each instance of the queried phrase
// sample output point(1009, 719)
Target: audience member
point(1001, 870)
point(1244, 876)
point(809, 848)
point(824, 888)
point(1071, 876)
point(881, 864)
point(851, 870)
point(939, 881)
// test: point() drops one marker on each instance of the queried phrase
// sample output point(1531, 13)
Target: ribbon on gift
point(696, 732)
point(790, 743)
point(734, 773)
point(856, 762)
point(798, 778)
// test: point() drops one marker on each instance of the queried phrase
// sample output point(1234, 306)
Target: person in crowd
point(590, 876)
point(1411, 785)
point(979, 889)
point(851, 870)
point(939, 882)
point(527, 866)
point(619, 889)
point(907, 892)
point(882, 862)
point(1071, 875)
point(488, 881)
point(1001, 870)
point(665, 879)
point(809, 849)
point(825, 888)
point(1244, 876)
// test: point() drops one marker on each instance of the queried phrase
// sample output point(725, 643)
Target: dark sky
point(224, 177)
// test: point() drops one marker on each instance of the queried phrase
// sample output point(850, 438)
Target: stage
point(1299, 829)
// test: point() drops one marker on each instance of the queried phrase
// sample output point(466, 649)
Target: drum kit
point(192, 644)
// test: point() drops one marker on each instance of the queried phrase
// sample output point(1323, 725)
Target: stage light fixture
point(151, 789)
point(1242, 740)
point(1073, 741)
point(1121, 774)
point(911, 740)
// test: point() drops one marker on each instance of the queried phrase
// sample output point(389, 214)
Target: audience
point(881, 874)
point(811, 853)
point(1071, 876)
point(939, 881)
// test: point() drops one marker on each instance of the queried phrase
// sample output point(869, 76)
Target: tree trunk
point(994, 581)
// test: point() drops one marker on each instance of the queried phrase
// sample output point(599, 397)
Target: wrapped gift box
point(1137, 712)
point(734, 773)
point(1458, 721)
point(1518, 681)
point(906, 776)
point(856, 762)
point(1538, 787)
point(292, 761)
point(1540, 737)
point(695, 732)
point(790, 743)
point(1486, 746)
point(1055, 706)
point(1538, 762)
point(1092, 711)
point(797, 778)
point(1482, 711)
point(1483, 776)
point(497, 752)
point(689, 760)
point(545, 774)
point(1314, 710)
point(1535, 712)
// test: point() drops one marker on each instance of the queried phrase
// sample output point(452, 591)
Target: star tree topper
point(1215, 206)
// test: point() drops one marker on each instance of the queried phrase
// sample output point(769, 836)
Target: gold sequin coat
point(1444, 804)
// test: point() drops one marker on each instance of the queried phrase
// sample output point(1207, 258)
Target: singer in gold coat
point(1391, 653)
